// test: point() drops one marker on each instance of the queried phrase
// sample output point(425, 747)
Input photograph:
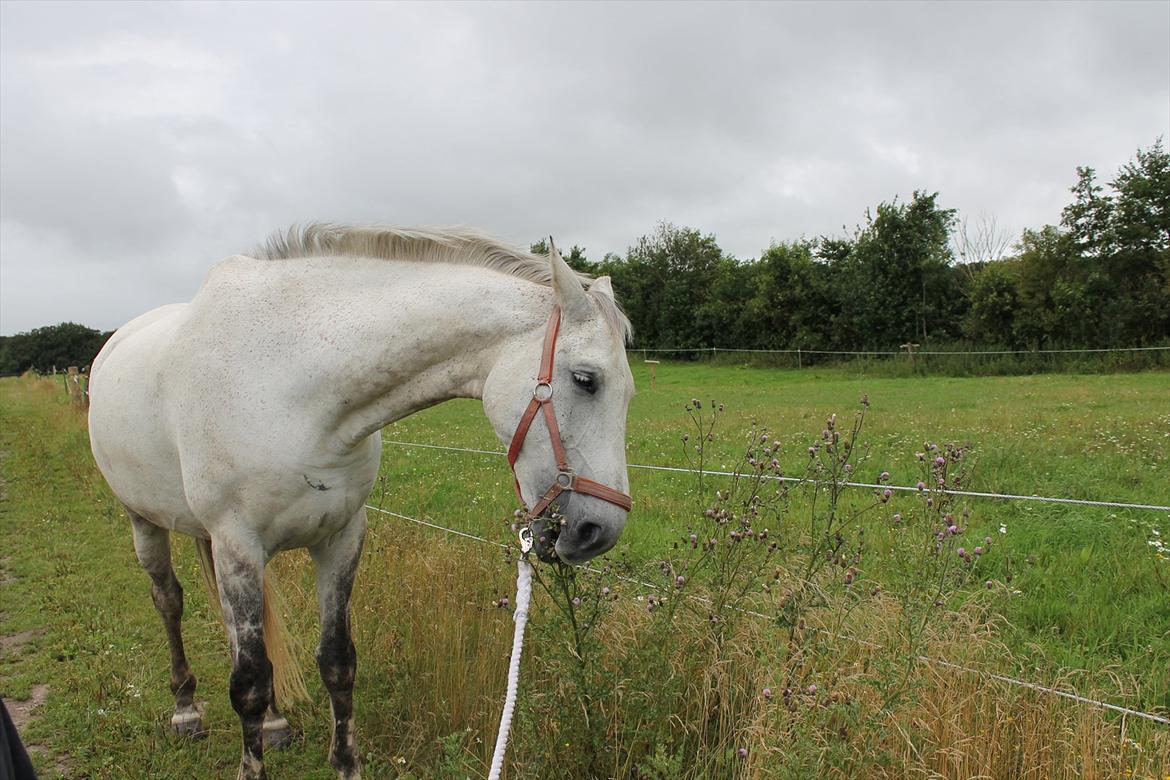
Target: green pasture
point(1086, 588)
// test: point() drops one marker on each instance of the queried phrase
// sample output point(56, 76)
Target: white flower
point(1002, 528)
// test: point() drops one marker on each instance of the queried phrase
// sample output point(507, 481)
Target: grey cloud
point(141, 143)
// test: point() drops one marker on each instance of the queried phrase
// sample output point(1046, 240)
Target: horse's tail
point(287, 681)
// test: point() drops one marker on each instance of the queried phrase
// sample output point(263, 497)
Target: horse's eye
point(585, 381)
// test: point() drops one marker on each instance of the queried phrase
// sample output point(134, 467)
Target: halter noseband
point(566, 478)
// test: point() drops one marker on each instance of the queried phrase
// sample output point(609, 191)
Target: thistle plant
point(748, 616)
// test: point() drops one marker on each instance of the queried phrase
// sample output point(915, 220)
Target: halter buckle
point(542, 392)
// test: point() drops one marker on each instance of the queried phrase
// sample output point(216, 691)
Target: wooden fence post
point(653, 373)
point(909, 347)
point(73, 382)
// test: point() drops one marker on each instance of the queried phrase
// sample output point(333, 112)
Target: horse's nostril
point(588, 533)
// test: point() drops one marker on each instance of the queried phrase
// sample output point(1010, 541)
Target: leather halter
point(542, 395)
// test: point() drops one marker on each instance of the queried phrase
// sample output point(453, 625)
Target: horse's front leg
point(336, 561)
point(240, 573)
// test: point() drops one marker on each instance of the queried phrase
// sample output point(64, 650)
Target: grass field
point(1081, 598)
point(1092, 594)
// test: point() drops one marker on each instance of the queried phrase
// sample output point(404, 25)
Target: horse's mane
point(464, 246)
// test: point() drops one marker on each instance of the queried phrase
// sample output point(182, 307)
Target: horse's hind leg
point(336, 562)
point(153, 547)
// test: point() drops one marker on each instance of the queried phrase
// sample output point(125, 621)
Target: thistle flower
point(961, 552)
point(978, 551)
point(605, 591)
point(743, 752)
point(812, 688)
point(679, 580)
point(921, 485)
point(884, 476)
point(767, 693)
point(886, 494)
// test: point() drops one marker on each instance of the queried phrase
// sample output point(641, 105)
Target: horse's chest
point(326, 500)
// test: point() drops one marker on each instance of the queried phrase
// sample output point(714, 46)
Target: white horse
point(250, 419)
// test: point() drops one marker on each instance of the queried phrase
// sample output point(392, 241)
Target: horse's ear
point(569, 291)
point(602, 285)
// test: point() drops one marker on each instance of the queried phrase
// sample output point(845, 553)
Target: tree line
point(51, 347)
point(913, 272)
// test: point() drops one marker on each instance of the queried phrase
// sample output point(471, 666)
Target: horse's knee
point(337, 661)
point(251, 684)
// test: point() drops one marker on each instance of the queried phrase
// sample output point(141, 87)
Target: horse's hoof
point(355, 774)
point(277, 734)
point(251, 768)
point(187, 722)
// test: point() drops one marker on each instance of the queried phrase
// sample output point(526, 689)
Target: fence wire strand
point(872, 486)
point(869, 352)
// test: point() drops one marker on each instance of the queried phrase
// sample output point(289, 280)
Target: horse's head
point(573, 368)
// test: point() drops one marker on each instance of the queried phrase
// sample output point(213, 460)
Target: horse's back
point(131, 433)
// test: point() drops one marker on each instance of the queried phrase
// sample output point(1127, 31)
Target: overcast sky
point(142, 143)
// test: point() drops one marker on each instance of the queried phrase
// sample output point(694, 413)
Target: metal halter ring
point(565, 479)
point(542, 391)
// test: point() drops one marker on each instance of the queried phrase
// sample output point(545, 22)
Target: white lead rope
point(523, 596)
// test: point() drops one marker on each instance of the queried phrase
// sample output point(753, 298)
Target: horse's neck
point(415, 334)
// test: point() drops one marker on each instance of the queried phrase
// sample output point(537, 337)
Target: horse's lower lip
point(543, 540)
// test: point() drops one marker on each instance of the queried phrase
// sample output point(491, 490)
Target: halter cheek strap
point(541, 401)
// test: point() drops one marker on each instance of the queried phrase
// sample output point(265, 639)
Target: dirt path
point(23, 711)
